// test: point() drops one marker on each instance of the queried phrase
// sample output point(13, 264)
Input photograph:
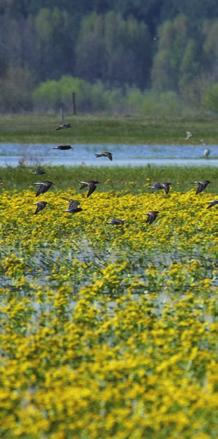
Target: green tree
point(210, 98)
point(210, 49)
point(16, 90)
point(90, 53)
point(113, 49)
point(176, 61)
point(54, 42)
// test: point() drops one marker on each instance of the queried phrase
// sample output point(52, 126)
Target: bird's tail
point(97, 155)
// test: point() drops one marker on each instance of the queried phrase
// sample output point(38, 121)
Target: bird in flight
point(188, 135)
point(74, 207)
point(39, 171)
point(91, 185)
point(116, 222)
point(63, 125)
point(201, 185)
point(152, 215)
point(63, 147)
point(43, 187)
point(40, 206)
point(106, 154)
point(165, 186)
point(212, 203)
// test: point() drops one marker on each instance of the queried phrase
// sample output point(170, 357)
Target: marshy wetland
point(107, 327)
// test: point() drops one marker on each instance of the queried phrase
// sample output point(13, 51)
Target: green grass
point(124, 179)
point(33, 128)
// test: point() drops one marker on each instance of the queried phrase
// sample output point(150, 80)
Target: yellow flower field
point(108, 331)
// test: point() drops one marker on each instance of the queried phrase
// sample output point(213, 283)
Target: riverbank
point(33, 128)
point(134, 180)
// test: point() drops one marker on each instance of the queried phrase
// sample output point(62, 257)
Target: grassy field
point(134, 180)
point(99, 129)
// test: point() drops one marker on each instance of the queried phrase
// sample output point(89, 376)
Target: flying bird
point(63, 147)
point(152, 215)
point(43, 187)
point(212, 203)
point(165, 186)
point(116, 222)
point(201, 185)
point(63, 125)
point(92, 184)
point(74, 207)
point(188, 135)
point(40, 206)
point(39, 171)
point(106, 154)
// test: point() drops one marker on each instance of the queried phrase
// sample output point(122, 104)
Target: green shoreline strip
point(134, 180)
point(32, 128)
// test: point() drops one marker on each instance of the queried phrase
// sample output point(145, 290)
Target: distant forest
point(117, 55)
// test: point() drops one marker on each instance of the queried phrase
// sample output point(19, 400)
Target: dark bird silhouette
point(201, 185)
point(105, 154)
point(116, 222)
point(74, 207)
point(92, 184)
point(43, 187)
point(40, 206)
point(212, 203)
point(63, 147)
point(63, 125)
point(165, 186)
point(39, 171)
point(152, 215)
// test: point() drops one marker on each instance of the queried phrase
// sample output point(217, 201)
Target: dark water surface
point(123, 155)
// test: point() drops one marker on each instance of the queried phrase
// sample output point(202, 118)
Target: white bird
point(206, 153)
point(188, 135)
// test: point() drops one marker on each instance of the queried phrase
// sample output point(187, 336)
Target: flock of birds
point(91, 185)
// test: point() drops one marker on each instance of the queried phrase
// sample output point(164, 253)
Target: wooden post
point(74, 102)
point(61, 112)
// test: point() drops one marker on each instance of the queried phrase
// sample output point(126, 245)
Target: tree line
point(148, 47)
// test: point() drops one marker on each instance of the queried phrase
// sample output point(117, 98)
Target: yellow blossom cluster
point(108, 331)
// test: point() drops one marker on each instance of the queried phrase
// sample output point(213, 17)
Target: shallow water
point(123, 155)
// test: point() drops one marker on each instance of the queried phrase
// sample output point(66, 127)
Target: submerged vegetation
point(107, 330)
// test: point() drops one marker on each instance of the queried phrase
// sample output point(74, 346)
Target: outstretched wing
point(212, 203)
point(156, 185)
point(92, 187)
point(42, 187)
point(199, 188)
point(166, 188)
point(83, 184)
point(40, 206)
